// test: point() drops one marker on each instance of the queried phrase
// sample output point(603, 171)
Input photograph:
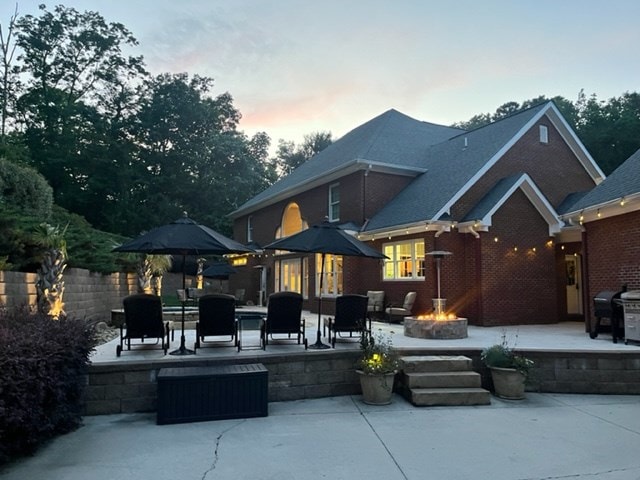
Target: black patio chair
point(284, 317)
point(351, 316)
point(216, 318)
point(142, 321)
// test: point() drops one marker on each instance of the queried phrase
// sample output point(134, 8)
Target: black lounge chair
point(351, 316)
point(284, 317)
point(142, 321)
point(216, 317)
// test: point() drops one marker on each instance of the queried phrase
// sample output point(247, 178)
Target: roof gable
point(455, 165)
point(481, 215)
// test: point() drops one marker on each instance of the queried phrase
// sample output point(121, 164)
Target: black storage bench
point(196, 394)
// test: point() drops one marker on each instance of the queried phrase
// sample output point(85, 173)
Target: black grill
point(606, 304)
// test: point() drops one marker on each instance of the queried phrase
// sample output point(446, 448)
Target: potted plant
point(509, 370)
point(377, 368)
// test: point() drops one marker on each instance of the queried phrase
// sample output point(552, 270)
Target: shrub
point(42, 373)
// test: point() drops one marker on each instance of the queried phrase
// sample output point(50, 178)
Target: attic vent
point(466, 142)
point(544, 134)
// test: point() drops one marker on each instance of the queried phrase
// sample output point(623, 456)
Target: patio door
point(573, 284)
point(290, 276)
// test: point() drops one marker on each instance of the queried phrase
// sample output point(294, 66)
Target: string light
point(622, 201)
point(598, 213)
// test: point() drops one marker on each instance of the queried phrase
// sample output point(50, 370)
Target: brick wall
point(612, 253)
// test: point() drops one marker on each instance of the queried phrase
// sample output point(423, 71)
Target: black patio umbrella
point(220, 271)
point(183, 237)
point(324, 238)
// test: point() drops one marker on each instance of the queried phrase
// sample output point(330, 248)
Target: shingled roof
point(391, 139)
point(452, 166)
point(623, 182)
point(444, 161)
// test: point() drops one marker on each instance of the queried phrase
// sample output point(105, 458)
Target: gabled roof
point(622, 183)
point(391, 141)
point(482, 213)
point(455, 165)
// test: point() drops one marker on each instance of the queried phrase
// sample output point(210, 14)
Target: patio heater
point(439, 303)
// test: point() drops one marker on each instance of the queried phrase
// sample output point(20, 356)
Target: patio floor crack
point(215, 450)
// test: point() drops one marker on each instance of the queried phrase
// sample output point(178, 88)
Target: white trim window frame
point(406, 260)
point(334, 202)
point(332, 283)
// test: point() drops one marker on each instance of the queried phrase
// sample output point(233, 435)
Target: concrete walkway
point(546, 436)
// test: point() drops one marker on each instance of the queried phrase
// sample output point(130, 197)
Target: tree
point(192, 156)
point(9, 83)
point(289, 156)
point(76, 91)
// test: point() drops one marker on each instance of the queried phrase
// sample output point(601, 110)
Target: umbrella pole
point(319, 345)
point(183, 350)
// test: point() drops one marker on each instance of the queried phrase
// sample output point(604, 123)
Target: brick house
point(489, 196)
point(609, 216)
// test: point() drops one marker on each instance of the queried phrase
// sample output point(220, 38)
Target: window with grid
point(334, 202)
point(405, 260)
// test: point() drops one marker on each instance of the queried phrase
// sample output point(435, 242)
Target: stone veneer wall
point(128, 387)
point(87, 294)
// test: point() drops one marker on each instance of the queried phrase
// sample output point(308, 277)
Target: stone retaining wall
point(128, 387)
point(87, 294)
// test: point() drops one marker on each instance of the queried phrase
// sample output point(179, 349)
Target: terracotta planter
point(508, 383)
point(377, 389)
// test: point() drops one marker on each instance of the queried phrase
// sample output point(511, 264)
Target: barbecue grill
point(631, 305)
point(606, 304)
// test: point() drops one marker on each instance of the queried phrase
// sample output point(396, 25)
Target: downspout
point(473, 232)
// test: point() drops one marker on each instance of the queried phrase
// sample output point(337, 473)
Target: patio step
point(451, 397)
point(441, 380)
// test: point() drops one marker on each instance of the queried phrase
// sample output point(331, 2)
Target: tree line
point(128, 150)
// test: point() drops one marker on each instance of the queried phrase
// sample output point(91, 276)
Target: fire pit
point(433, 327)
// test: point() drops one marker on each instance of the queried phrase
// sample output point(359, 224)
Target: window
point(544, 134)
point(334, 202)
point(405, 262)
point(332, 281)
point(288, 275)
point(249, 229)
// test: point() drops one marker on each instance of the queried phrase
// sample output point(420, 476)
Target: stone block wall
point(128, 387)
point(87, 294)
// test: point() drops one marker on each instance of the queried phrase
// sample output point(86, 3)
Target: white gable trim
point(535, 196)
point(565, 131)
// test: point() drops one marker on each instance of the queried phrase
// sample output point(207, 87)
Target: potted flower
point(377, 368)
point(509, 370)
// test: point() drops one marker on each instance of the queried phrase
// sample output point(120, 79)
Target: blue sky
point(297, 66)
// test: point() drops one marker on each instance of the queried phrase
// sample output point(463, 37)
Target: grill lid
point(631, 295)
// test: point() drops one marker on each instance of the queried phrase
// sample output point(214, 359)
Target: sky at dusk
point(295, 67)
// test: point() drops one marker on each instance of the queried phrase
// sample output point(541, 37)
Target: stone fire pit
point(444, 329)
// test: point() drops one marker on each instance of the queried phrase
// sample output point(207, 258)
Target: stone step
point(453, 379)
point(430, 397)
point(435, 363)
